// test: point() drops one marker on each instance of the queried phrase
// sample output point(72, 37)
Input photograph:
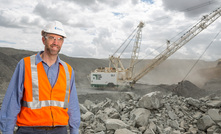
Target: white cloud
point(96, 28)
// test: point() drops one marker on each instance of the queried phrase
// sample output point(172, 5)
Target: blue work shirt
point(12, 101)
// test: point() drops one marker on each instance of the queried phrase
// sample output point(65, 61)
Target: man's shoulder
point(63, 63)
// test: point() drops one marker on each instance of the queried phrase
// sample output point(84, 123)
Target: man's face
point(53, 43)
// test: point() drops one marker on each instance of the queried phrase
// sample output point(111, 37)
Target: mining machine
point(117, 75)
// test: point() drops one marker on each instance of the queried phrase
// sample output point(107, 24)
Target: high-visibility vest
point(41, 104)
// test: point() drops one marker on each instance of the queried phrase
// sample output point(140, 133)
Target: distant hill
point(9, 58)
point(169, 72)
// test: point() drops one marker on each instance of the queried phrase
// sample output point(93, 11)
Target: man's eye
point(51, 38)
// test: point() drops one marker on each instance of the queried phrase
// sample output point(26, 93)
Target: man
point(41, 97)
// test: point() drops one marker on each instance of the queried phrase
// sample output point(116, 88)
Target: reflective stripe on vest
point(36, 104)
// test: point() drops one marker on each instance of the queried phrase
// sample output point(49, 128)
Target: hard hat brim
point(43, 32)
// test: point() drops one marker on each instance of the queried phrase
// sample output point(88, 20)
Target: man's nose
point(55, 41)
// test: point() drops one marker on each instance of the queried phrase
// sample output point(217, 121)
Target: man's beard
point(51, 51)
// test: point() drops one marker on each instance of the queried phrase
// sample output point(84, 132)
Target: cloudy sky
point(96, 28)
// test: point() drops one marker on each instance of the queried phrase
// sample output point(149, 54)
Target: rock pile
point(153, 113)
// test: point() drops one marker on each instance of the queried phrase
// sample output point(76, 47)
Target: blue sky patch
point(7, 42)
point(120, 15)
point(148, 1)
point(116, 13)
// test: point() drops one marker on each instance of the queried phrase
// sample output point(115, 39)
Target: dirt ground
point(185, 89)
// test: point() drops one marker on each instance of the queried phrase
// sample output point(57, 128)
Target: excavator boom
point(118, 75)
point(172, 48)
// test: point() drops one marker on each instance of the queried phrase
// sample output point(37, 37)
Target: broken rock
point(215, 115)
point(115, 124)
point(205, 122)
point(151, 100)
point(87, 116)
point(140, 116)
point(123, 131)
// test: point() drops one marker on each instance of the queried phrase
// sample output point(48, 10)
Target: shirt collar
point(39, 59)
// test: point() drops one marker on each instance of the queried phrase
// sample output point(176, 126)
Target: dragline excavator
point(117, 75)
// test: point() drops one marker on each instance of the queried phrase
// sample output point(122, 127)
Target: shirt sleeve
point(11, 105)
point(73, 108)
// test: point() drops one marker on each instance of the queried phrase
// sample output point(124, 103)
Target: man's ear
point(43, 39)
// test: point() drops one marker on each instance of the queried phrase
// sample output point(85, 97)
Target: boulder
point(205, 122)
point(83, 109)
point(123, 131)
point(87, 116)
point(151, 100)
point(193, 102)
point(140, 116)
point(172, 115)
point(115, 124)
point(215, 115)
point(214, 103)
point(88, 104)
point(149, 131)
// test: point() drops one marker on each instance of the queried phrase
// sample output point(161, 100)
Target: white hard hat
point(54, 27)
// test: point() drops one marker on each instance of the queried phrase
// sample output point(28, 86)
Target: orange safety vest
point(41, 104)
